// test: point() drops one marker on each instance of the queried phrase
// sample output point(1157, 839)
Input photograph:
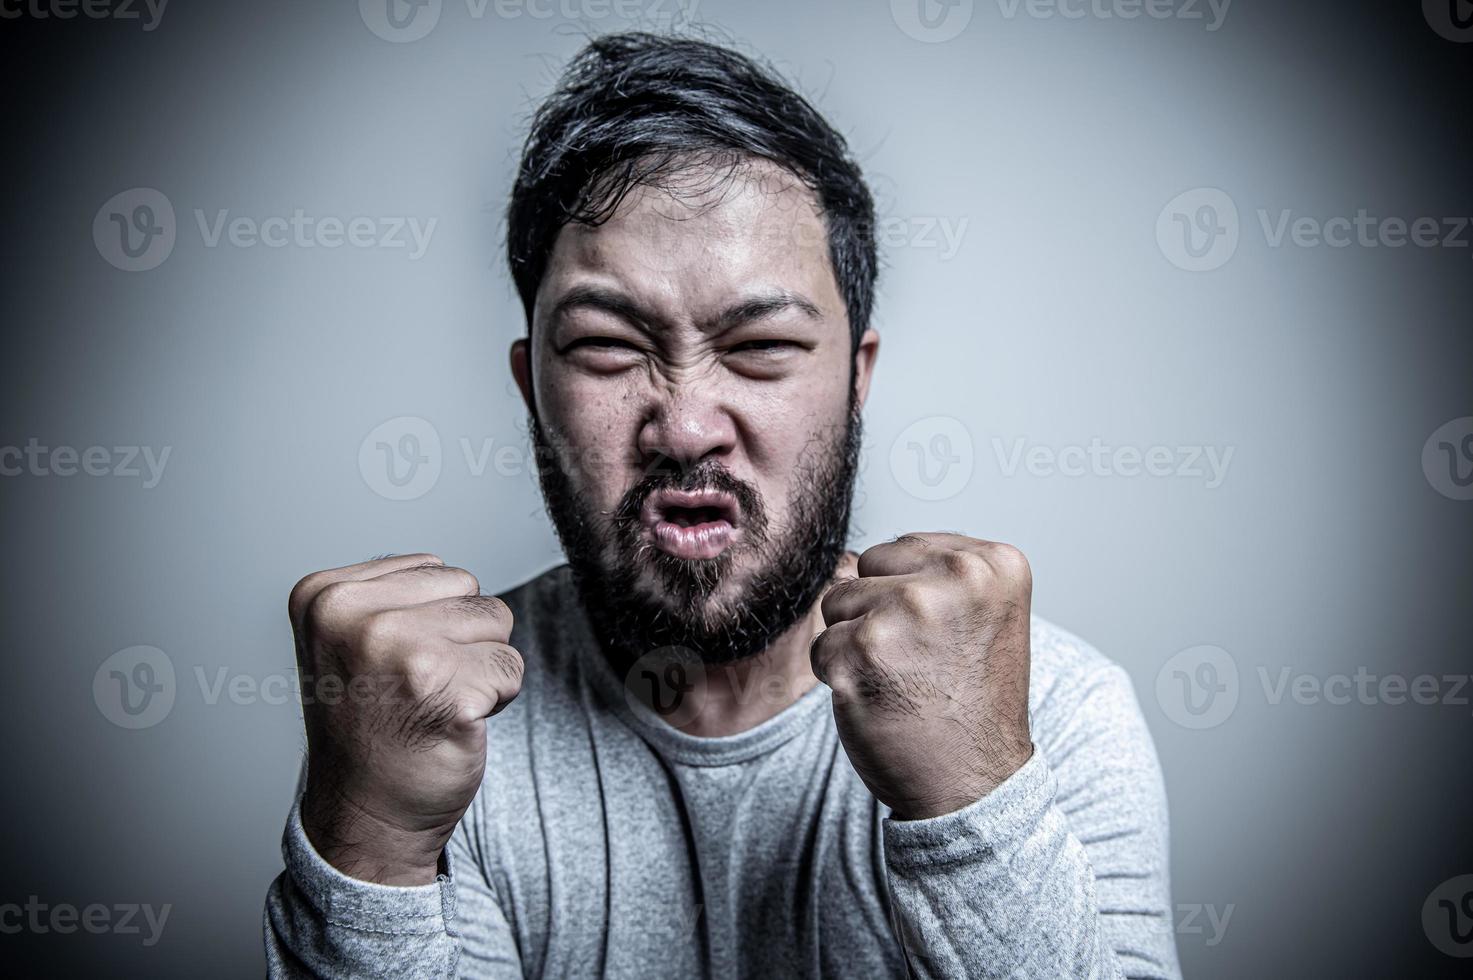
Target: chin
point(691, 587)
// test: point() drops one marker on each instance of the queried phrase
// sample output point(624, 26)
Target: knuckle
point(421, 670)
point(302, 594)
point(467, 716)
point(818, 655)
point(509, 667)
point(378, 631)
point(829, 603)
point(332, 603)
point(843, 684)
point(966, 565)
point(461, 580)
point(827, 659)
point(495, 608)
point(913, 598)
point(870, 557)
point(870, 636)
point(1010, 562)
point(489, 608)
point(829, 666)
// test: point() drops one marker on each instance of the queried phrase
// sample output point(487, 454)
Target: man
point(722, 745)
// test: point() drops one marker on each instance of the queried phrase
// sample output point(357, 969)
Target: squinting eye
point(763, 346)
point(600, 343)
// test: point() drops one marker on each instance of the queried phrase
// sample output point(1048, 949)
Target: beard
point(640, 599)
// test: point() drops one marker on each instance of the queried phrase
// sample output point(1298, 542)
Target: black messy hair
point(636, 109)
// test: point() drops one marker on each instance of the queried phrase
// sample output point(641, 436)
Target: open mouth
point(691, 523)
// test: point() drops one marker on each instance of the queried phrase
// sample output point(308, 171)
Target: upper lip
point(658, 505)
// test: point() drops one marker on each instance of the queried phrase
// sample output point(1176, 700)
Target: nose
point(683, 430)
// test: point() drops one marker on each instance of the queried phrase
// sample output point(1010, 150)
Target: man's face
point(695, 394)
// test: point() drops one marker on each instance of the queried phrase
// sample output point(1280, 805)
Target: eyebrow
point(763, 306)
point(758, 307)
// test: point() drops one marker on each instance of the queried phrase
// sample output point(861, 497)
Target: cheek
point(594, 426)
point(791, 438)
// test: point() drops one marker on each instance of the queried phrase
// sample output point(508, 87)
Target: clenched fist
point(927, 652)
point(418, 659)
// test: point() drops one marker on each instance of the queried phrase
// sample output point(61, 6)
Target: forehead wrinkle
point(661, 254)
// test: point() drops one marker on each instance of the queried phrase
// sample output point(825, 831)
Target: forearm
point(320, 922)
point(998, 889)
point(1061, 871)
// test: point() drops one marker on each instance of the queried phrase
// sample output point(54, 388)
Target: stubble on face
point(639, 598)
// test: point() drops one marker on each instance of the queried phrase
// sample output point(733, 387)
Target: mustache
point(707, 475)
point(639, 598)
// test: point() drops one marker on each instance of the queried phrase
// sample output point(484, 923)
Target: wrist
point(966, 790)
point(367, 845)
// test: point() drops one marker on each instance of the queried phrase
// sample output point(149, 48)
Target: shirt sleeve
point(320, 922)
point(1061, 871)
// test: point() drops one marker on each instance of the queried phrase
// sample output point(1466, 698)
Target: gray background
point(1053, 144)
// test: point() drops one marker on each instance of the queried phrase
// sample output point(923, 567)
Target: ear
point(521, 371)
point(864, 364)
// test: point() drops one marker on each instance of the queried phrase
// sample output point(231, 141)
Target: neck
point(739, 696)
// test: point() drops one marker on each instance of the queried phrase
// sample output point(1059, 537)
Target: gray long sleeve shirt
point(605, 843)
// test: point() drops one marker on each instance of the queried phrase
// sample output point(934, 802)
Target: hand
point(927, 652)
point(402, 660)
